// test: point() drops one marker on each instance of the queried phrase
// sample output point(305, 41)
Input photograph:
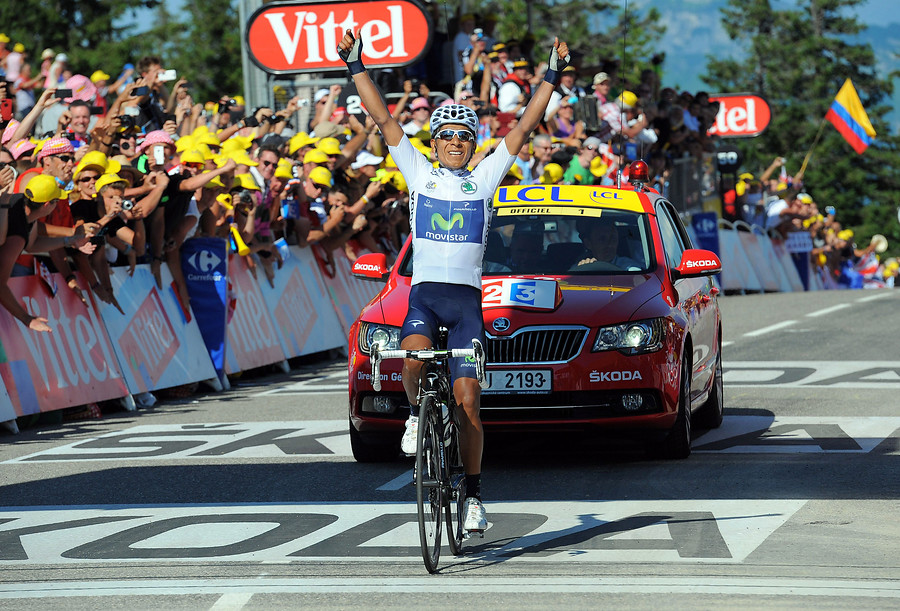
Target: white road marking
point(888, 293)
point(797, 435)
point(232, 601)
point(668, 531)
point(398, 482)
point(813, 374)
point(726, 344)
point(713, 585)
point(770, 328)
point(825, 311)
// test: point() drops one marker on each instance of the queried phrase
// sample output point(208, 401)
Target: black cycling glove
point(353, 57)
point(556, 65)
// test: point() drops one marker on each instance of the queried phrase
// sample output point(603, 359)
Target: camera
point(245, 197)
point(829, 210)
point(127, 204)
point(479, 33)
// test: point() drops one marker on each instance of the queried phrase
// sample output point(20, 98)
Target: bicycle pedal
point(473, 533)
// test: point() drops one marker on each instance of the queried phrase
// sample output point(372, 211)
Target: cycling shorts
point(458, 307)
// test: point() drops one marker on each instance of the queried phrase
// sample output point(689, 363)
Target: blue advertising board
point(204, 262)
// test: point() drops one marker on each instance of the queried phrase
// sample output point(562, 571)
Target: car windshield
point(613, 242)
point(608, 242)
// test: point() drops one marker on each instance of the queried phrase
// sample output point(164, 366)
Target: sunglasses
point(88, 178)
point(268, 163)
point(447, 135)
point(193, 164)
point(65, 158)
point(321, 186)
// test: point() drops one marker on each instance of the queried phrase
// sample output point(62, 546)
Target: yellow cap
point(42, 189)
point(204, 150)
point(110, 179)
point(321, 176)
point(237, 143)
point(627, 99)
point(805, 198)
point(245, 181)
point(553, 173)
point(99, 75)
point(331, 146)
point(283, 169)
point(20, 48)
point(299, 140)
point(92, 159)
point(192, 156)
point(113, 166)
point(598, 167)
point(389, 161)
point(215, 181)
point(845, 234)
point(242, 158)
point(746, 176)
point(394, 179)
point(315, 156)
point(185, 143)
point(225, 200)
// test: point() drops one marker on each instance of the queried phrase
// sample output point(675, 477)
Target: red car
point(599, 313)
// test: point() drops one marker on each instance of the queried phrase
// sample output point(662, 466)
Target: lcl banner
point(294, 37)
point(740, 115)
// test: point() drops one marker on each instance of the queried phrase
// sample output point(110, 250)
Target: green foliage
point(83, 29)
point(798, 59)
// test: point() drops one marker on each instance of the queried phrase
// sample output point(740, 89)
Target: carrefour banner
point(73, 365)
point(300, 307)
point(252, 340)
point(157, 340)
point(204, 262)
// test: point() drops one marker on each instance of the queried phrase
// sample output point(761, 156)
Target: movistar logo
point(470, 359)
point(440, 221)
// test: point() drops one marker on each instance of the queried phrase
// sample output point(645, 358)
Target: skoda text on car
point(598, 313)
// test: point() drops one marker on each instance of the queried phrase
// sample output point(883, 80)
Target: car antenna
point(621, 110)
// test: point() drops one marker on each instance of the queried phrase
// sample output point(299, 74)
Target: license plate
point(522, 381)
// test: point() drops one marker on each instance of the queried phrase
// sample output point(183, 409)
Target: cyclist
point(450, 213)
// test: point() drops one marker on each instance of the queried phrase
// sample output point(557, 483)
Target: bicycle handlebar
point(476, 352)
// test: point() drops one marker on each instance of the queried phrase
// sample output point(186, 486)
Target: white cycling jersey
point(450, 213)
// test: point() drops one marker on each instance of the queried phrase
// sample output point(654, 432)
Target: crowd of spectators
point(783, 205)
point(99, 171)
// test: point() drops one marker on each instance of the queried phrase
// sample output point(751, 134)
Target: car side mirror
point(696, 262)
point(372, 266)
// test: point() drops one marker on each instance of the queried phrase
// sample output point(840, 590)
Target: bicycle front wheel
point(429, 489)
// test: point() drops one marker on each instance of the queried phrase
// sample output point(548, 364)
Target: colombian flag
point(849, 117)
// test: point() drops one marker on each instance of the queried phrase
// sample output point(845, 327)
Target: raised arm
point(534, 112)
point(350, 50)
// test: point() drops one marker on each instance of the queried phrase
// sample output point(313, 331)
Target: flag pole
point(809, 154)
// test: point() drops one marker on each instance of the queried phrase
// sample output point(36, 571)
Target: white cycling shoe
point(476, 519)
point(408, 443)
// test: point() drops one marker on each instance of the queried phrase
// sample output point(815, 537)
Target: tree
point(83, 29)
point(798, 59)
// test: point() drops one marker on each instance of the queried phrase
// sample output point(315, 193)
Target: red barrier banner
point(7, 411)
point(294, 37)
point(300, 307)
point(73, 365)
point(251, 339)
point(348, 293)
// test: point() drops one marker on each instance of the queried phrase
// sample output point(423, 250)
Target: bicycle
point(439, 475)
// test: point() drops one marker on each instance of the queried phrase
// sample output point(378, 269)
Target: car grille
point(536, 345)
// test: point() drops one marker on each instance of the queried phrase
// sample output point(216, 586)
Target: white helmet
point(453, 113)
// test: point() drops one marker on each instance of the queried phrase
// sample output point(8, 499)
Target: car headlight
point(630, 338)
point(387, 337)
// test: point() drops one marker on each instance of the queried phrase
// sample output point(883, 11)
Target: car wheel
point(709, 416)
point(677, 443)
point(367, 451)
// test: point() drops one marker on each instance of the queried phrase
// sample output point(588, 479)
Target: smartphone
point(829, 210)
point(96, 110)
point(167, 75)
point(139, 91)
point(63, 93)
point(6, 109)
point(170, 117)
point(159, 154)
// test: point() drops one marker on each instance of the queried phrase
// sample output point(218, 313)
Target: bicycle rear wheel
point(429, 490)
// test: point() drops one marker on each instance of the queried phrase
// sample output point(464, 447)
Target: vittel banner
point(740, 115)
point(294, 37)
